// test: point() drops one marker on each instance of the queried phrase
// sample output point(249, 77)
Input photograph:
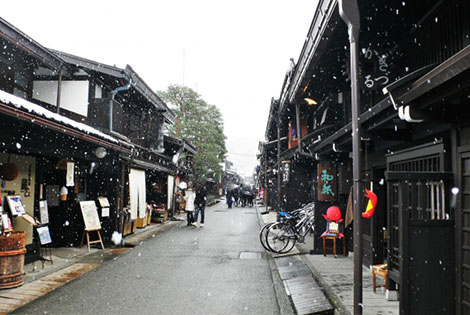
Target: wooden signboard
point(90, 215)
point(327, 176)
point(92, 222)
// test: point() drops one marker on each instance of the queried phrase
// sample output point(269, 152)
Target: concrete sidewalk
point(69, 263)
point(335, 276)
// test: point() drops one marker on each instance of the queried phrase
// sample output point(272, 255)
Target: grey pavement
point(63, 265)
point(335, 276)
point(216, 269)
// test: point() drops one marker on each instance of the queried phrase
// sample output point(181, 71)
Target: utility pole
point(349, 12)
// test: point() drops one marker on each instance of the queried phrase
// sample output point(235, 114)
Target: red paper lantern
point(333, 213)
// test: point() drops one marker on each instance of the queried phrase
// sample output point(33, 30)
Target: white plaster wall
point(45, 91)
point(23, 162)
point(98, 91)
point(73, 95)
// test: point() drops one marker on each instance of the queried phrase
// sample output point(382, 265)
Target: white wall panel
point(73, 95)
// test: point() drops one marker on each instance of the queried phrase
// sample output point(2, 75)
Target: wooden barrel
point(12, 250)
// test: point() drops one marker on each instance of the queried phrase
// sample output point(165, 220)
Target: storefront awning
point(148, 166)
point(22, 109)
point(444, 72)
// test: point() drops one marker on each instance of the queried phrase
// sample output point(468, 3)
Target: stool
point(382, 271)
point(333, 238)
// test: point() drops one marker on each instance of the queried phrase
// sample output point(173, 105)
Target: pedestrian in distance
point(236, 196)
point(229, 198)
point(200, 203)
point(243, 196)
point(189, 197)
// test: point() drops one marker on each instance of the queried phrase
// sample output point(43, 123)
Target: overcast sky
point(233, 53)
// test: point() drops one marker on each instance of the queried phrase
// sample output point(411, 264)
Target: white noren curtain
point(170, 184)
point(137, 193)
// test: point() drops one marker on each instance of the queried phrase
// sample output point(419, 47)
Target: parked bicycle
point(280, 237)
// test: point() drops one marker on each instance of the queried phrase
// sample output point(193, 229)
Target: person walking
point(189, 196)
point(200, 203)
point(229, 198)
point(236, 196)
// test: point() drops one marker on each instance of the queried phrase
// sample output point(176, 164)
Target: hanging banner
point(170, 191)
point(69, 182)
point(137, 193)
point(285, 171)
point(326, 177)
point(43, 212)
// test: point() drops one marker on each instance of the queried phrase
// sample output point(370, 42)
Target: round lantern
point(333, 213)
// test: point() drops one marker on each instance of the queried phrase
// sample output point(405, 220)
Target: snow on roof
point(20, 103)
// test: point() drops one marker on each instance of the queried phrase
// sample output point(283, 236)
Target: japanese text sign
point(326, 181)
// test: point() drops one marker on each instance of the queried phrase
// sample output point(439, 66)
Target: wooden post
point(99, 240)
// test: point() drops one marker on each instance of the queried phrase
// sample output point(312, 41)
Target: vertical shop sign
point(285, 171)
point(70, 174)
point(43, 212)
point(326, 181)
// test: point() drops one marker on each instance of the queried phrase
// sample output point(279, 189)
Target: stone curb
point(341, 309)
point(136, 239)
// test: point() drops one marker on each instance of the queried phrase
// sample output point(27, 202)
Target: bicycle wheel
point(262, 235)
point(280, 238)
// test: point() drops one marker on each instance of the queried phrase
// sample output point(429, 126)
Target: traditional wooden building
point(414, 73)
point(90, 129)
point(122, 105)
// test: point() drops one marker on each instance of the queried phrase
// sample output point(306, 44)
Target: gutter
point(111, 101)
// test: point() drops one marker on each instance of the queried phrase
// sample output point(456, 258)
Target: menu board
point(104, 203)
point(43, 211)
point(16, 205)
point(44, 235)
point(90, 215)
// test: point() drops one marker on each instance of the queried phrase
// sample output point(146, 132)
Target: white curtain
point(170, 184)
point(137, 193)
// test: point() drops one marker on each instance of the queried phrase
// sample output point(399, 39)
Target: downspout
point(299, 132)
point(349, 12)
point(111, 101)
point(59, 89)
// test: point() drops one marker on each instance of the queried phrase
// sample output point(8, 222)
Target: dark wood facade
point(116, 112)
point(414, 88)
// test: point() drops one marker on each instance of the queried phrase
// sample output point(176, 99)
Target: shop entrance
point(463, 236)
point(65, 218)
point(421, 240)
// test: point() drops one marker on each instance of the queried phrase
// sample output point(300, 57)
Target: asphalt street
point(220, 268)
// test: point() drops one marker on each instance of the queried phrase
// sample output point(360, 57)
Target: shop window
point(427, 199)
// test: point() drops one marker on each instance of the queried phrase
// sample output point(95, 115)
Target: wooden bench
point(333, 238)
point(382, 271)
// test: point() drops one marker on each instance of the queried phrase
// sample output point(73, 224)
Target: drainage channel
point(307, 296)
